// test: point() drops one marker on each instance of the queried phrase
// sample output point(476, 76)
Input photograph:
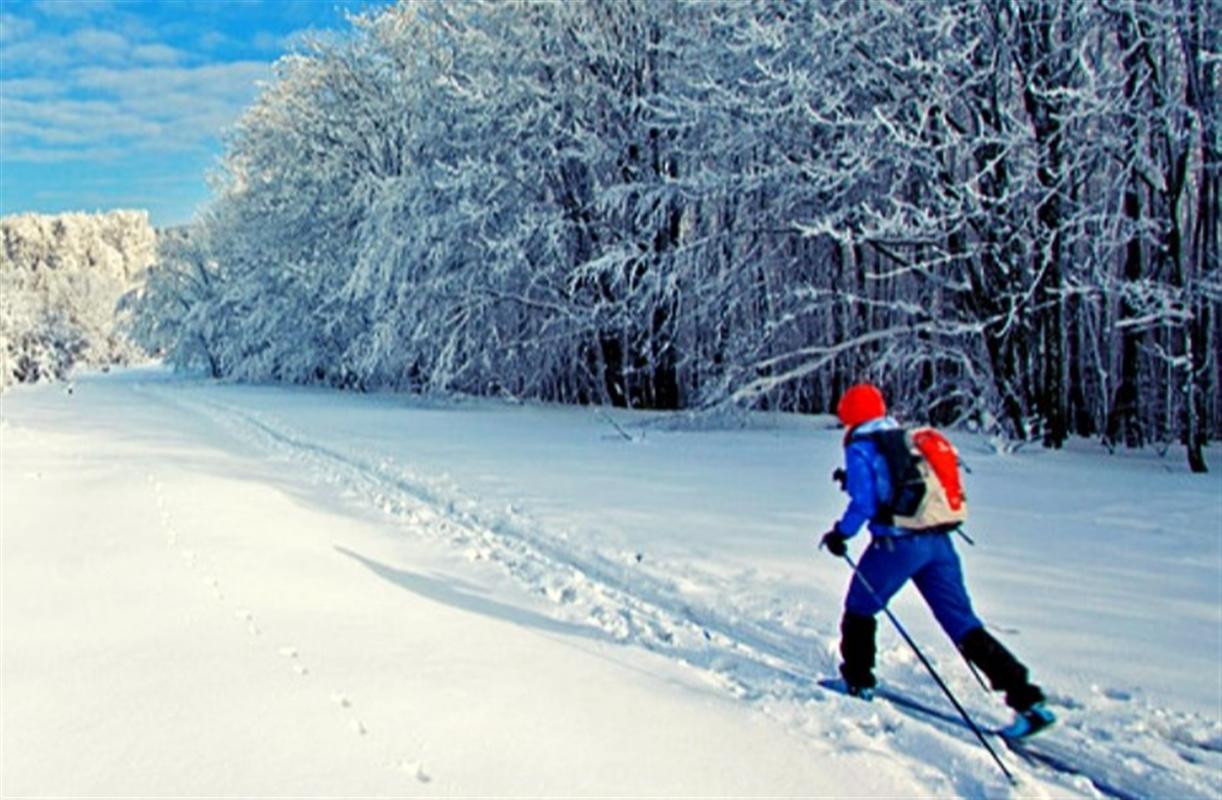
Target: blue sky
point(122, 103)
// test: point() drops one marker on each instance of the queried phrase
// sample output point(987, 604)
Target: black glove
point(834, 541)
point(841, 477)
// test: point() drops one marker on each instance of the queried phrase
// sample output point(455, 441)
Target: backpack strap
point(907, 487)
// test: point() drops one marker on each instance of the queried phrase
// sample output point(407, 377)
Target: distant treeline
point(61, 279)
point(1005, 212)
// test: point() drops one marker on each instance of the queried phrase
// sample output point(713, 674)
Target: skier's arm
point(859, 483)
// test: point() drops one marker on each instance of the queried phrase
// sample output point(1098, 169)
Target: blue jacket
point(868, 481)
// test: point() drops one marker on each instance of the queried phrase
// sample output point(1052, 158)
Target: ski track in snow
point(199, 564)
point(755, 651)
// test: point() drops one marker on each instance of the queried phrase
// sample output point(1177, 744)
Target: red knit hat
point(860, 403)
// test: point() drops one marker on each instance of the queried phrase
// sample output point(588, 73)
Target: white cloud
point(72, 9)
point(46, 51)
point(115, 87)
point(271, 42)
point(13, 27)
point(132, 110)
point(76, 121)
point(84, 80)
point(215, 40)
point(93, 44)
point(48, 155)
point(29, 87)
point(158, 54)
point(103, 85)
point(235, 78)
point(36, 54)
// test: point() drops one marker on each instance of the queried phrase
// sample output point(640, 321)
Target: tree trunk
point(1198, 34)
point(1037, 25)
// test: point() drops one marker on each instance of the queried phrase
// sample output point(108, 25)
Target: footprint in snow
point(341, 700)
point(561, 594)
point(1065, 701)
point(415, 769)
point(215, 585)
point(1119, 695)
point(357, 727)
point(290, 652)
point(249, 619)
point(1188, 758)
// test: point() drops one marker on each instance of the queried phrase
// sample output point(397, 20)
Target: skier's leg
point(857, 649)
point(940, 582)
point(883, 569)
point(1006, 673)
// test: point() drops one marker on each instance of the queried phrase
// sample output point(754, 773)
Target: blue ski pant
point(927, 559)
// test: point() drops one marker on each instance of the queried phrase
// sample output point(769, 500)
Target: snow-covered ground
point(216, 590)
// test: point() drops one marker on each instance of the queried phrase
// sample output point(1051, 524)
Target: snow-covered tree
point(61, 278)
point(1006, 212)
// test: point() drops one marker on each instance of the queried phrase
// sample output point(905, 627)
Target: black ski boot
point(1005, 672)
point(857, 650)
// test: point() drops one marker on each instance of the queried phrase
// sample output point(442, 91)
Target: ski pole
point(975, 672)
point(937, 678)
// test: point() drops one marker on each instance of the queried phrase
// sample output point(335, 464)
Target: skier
point(896, 555)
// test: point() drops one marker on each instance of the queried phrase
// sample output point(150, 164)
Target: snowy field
point(217, 590)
